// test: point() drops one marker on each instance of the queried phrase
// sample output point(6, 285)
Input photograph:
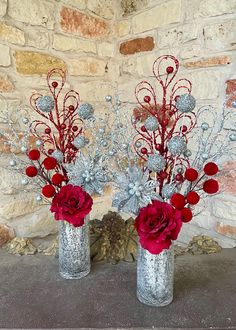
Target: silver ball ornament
point(45, 103)
point(24, 182)
point(234, 104)
point(156, 163)
point(24, 149)
point(79, 142)
point(205, 126)
point(58, 155)
point(38, 143)
point(138, 144)
point(104, 143)
point(85, 111)
point(151, 123)
point(187, 153)
point(108, 98)
point(39, 198)
point(186, 103)
point(205, 156)
point(232, 137)
point(177, 145)
point(168, 190)
point(25, 120)
point(12, 162)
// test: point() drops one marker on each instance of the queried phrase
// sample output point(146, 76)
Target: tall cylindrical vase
point(155, 275)
point(74, 250)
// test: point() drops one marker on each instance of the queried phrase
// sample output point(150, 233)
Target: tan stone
point(76, 22)
point(190, 52)
point(5, 59)
point(178, 35)
point(87, 67)
point(220, 36)
point(212, 61)
point(18, 205)
point(95, 91)
point(36, 63)
point(6, 234)
point(216, 7)
point(224, 207)
point(63, 43)
point(227, 230)
point(206, 83)
point(6, 85)
point(38, 39)
point(137, 45)
point(11, 34)
point(106, 49)
point(3, 7)
point(121, 28)
point(163, 14)
point(79, 4)
point(102, 8)
point(33, 12)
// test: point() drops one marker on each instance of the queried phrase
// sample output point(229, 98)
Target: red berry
point(71, 108)
point(34, 154)
point(165, 122)
point(176, 98)
point(54, 84)
point(143, 129)
point(57, 179)
point(49, 163)
point(192, 197)
point(47, 130)
point(186, 214)
point(144, 151)
point(210, 168)
point(63, 126)
point(48, 191)
point(50, 151)
point(191, 174)
point(211, 186)
point(147, 99)
point(169, 69)
point(184, 128)
point(158, 147)
point(75, 128)
point(31, 171)
point(178, 201)
point(179, 177)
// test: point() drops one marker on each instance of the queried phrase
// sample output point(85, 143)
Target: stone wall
point(107, 45)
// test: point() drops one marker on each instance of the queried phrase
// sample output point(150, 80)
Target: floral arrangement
point(164, 185)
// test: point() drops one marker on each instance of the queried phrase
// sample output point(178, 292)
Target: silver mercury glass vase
point(74, 250)
point(155, 276)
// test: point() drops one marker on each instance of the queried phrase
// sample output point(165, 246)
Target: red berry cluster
point(49, 163)
point(209, 186)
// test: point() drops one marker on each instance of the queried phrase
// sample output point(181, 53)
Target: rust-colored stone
point(29, 63)
point(6, 234)
point(137, 45)
point(208, 62)
point(73, 21)
point(227, 177)
point(227, 230)
point(230, 92)
point(6, 86)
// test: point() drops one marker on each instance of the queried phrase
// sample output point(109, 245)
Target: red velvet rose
point(157, 225)
point(71, 204)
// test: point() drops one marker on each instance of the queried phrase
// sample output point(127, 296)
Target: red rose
point(71, 204)
point(211, 168)
point(157, 225)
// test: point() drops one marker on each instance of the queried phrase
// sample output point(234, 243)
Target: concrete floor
point(32, 295)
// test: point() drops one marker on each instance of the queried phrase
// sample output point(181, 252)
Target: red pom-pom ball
point(191, 174)
point(34, 154)
point(178, 201)
point(57, 179)
point(192, 197)
point(211, 186)
point(48, 191)
point(210, 168)
point(49, 163)
point(31, 171)
point(186, 214)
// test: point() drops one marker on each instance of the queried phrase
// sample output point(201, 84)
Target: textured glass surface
point(155, 274)
point(74, 250)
